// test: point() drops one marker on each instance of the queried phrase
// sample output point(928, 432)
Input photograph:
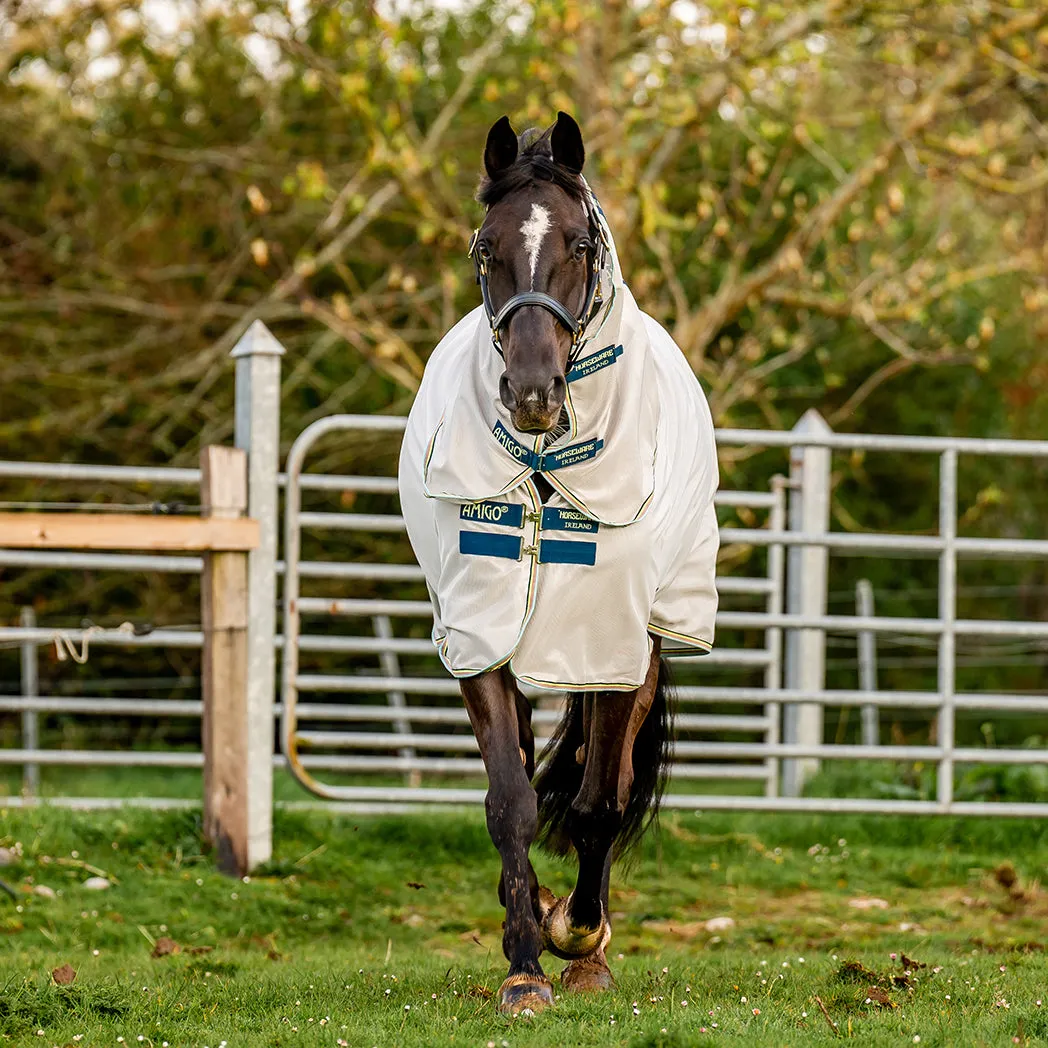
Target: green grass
point(386, 932)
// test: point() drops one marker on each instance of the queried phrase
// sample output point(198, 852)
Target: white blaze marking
point(535, 230)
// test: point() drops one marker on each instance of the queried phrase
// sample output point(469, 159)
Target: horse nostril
point(557, 392)
point(506, 394)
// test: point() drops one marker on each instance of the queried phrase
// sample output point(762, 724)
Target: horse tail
point(560, 775)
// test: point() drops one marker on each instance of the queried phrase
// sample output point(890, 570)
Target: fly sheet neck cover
point(567, 591)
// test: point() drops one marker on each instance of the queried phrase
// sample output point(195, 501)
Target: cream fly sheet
point(568, 591)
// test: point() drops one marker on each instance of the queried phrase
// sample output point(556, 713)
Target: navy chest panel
point(511, 547)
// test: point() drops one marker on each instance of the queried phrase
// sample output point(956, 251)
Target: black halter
point(575, 324)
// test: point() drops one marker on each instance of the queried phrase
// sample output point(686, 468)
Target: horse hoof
point(566, 942)
point(587, 975)
point(525, 995)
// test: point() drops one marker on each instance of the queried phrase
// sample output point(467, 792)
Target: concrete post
point(397, 699)
point(805, 669)
point(257, 431)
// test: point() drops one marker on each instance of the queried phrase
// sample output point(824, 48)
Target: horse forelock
point(534, 164)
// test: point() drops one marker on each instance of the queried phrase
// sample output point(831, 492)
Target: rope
point(65, 647)
point(65, 643)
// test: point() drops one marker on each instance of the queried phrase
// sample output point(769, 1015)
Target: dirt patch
point(165, 947)
point(64, 976)
point(875, 995)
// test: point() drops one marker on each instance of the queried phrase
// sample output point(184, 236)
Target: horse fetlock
point(568, 941)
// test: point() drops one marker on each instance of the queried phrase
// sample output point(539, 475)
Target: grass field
point(369, 931)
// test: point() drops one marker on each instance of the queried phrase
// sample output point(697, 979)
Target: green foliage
point(1018, 783)
point(815, 200)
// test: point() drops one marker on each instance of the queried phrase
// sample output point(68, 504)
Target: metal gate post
point(391, 668)
point(257, 431)
point(871, 730)
point(947, 675)
point(805, 669)
point(30, 690)
point(774, 603)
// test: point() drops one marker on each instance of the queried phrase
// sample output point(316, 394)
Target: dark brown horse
point(537, 253)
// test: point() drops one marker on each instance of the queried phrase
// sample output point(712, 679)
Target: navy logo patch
point(554, 519)
point(505, 514)
point(594, 362)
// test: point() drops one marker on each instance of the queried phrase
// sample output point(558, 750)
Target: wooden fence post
point(224, 613)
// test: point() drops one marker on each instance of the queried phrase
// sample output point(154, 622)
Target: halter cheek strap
point(576, 325)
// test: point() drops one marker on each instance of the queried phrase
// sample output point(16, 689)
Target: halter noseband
point(575, 324)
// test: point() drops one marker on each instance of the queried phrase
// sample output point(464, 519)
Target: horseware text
point(594, 362)
point(551, 460)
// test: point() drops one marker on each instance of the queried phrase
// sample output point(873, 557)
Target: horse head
point(537, 255)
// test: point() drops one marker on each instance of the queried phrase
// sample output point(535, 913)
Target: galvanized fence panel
point(382, 746)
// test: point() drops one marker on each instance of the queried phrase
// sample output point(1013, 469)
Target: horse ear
point(501, 148)
point(566, 141)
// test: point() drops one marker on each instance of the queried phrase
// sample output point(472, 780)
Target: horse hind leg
point(577, 927)
point(591, 974)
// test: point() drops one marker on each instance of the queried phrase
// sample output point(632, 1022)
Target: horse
point(559, 498)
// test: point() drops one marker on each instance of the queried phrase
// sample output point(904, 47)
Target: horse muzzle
point(534, 408)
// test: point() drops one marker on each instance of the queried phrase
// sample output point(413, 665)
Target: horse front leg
point(526, 737)
point(512, 816)
point(578, 927)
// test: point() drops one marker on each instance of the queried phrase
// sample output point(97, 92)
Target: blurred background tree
point(832, 204)
point(828, 204)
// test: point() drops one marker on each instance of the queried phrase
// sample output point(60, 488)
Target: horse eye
point(582, 248)
point(484, 251)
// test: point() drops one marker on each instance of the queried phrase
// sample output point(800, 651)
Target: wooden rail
point(126, 531)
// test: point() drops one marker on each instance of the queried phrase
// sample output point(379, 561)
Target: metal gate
point(387, 735)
